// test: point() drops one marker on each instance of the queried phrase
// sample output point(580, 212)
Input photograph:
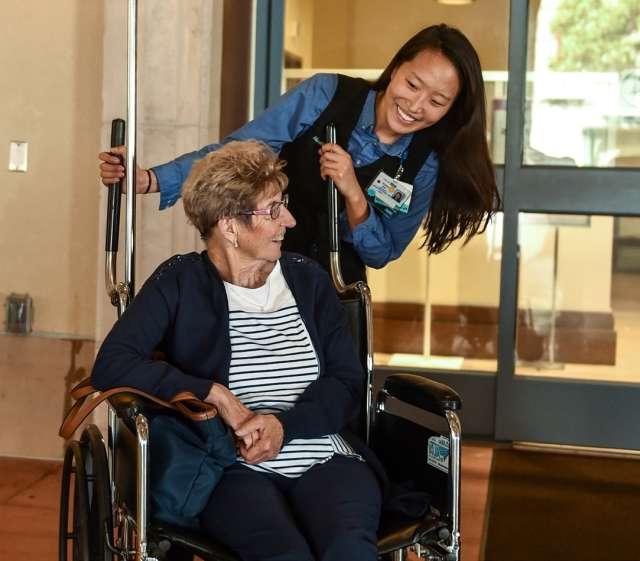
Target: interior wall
point(333, 40)
point(404, 280)
point(62, 98)
point(583, 267)
point(52, 57)
point(470, 275)
point(298, 32)
point(53, 61)
point(348, 34)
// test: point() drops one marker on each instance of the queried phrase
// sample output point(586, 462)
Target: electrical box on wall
point(18, 155)
point(19, 312)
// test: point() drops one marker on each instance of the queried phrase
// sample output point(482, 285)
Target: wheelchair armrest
point(128, 405)
point(421, 392)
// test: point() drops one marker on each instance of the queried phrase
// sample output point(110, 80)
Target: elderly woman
point(262, 336)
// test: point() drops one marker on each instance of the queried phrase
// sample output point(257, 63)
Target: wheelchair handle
point(359, 287)
point(334, 240)
point(332, 194)
point(113, 200)
point(118, 292)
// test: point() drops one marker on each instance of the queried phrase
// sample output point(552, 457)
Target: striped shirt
point(272, 362)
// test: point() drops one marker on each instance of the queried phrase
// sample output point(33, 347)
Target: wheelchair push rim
point(86, 516)
point(74, 524)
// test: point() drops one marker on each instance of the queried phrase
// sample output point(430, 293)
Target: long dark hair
point(466, 195)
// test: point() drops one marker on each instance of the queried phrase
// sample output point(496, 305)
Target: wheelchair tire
point(74, 478)
point(99, 494)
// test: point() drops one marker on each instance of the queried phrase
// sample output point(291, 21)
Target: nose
point(286, 219)
point(417, 102)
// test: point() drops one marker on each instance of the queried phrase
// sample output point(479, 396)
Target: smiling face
point(420, 93)
point(260, 238)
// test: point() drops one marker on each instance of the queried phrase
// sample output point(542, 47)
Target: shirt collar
point(367, 121)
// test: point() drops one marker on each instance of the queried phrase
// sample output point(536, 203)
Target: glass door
point(569, 366)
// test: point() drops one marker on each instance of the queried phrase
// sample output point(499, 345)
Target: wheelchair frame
point(114, 529)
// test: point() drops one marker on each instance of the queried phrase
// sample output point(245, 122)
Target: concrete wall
point(67, 67)
point(36, 374)
point(51, 59)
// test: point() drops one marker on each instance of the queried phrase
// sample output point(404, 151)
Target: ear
point(229, 228)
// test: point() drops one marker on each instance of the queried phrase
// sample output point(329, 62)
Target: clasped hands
point(259, 437)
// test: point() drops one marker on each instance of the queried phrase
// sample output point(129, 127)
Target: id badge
point(389, 195)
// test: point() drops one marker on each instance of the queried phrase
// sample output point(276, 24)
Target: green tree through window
point(597, 35)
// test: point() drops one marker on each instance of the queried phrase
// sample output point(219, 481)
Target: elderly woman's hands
point(260, 436)
point(232, 411)
point(269, 442)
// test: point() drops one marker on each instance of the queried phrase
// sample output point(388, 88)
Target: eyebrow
point(446, 97)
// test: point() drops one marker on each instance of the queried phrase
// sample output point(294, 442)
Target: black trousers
point(330, 513)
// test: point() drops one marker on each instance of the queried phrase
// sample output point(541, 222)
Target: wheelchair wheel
point(99, 494)
point(73, 534)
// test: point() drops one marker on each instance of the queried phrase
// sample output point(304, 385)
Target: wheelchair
point(104, 498)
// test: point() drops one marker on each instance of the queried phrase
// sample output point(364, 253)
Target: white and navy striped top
point(272, 362)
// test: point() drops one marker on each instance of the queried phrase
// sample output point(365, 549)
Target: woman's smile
point(404, 116)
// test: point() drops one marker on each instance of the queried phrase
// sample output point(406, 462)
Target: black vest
point(308, 192)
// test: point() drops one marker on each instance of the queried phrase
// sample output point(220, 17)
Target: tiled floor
point(29, 499)
point(29, 493)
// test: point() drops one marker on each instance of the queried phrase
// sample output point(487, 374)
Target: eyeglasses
point(273, 211)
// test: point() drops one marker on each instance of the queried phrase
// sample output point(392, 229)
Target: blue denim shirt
point(379, 239)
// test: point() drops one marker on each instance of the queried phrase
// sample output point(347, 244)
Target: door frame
point(556, 411)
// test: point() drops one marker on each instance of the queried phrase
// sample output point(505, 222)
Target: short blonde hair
point(230, 180)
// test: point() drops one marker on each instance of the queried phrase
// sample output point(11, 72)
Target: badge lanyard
point(400, 171)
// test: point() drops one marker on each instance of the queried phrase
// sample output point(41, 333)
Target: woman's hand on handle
point(112, 170)
point(335, 162)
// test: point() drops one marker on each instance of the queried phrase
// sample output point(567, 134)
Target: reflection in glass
point(440, 311)
point(578, 297)
point(583, 87)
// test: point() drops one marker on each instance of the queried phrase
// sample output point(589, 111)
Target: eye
point(411, 85)
point(436, 103)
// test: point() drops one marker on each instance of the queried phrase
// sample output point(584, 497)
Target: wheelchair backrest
point(401, 444)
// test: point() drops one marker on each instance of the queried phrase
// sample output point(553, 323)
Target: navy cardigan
point(182, 310)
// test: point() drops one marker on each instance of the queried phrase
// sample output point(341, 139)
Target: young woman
point(419, 130)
